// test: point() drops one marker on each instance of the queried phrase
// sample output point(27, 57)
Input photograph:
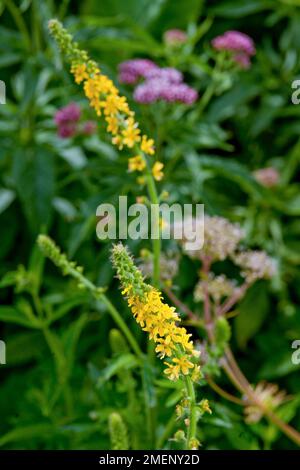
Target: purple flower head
point(67, 129)
point(89, 127)
point(167, 73)
point(235, 41)
point(160, 89)
point(161, 83)
point(131, 70)
point(67, 114)
point(243, 60)
point(175, 37)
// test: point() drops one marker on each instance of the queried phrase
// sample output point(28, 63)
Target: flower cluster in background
point(175, 37)
point(221, 238)
point(160, 83)
point(169, 264)
point(222, 241)
point(268, 177)
point(239, 44)
point(218, 287)
point(268, 394)
point(255, 265)
point(68, 122)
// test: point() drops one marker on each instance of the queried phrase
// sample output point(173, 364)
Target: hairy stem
point(192, 426)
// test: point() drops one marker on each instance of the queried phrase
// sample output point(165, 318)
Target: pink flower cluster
point(175, 37)
point(68, 125)
point(131, 71)
point(240, 44)
point(159, 83)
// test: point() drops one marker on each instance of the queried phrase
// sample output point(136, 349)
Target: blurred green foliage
point(63, 379)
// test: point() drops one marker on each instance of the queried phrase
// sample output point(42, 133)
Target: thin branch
point(229, 303)
point(223, 393)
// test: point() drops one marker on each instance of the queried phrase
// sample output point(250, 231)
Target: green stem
point(206, 97)
point(192, 428)
point(122, 325)
point(112, 310)
point(99, 295)
point(156, 242)
point(19, 20)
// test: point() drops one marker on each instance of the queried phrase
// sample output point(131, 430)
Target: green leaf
point(28, 432)
point(36, 185)
point(126, 361)
point(13, 315)
point(74, 156)
point(71, 338)
point(7, 196)
point(252, 312)
point(23, 348)
point(233, 9)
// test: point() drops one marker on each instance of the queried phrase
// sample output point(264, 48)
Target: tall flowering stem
point(51, 251)
point(161, 322)
point(105, 99)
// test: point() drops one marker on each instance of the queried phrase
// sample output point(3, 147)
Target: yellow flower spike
point(157, 171)
point(131, 134)
point(102, 94)
point(155, 317)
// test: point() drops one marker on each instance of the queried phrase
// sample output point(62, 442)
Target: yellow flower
point(147, 145)
point(165, 347)
point(92, 88)
point(136, 163)
point(184, 364)
point(131, 134)
point(113, 104)
point(172, 371)
point(156, 171)
point(113, 124)
point(118, 141)
point(204, 405)
point(79, 71)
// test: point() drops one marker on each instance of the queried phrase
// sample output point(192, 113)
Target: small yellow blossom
point(118, 141)
point(157, 171)
point(113, 124)
point(172, 371)
point(147, 145)
point(204, 405)
point(131, 134)
point(113, 104)
point(136, 163)
point(80, 73)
